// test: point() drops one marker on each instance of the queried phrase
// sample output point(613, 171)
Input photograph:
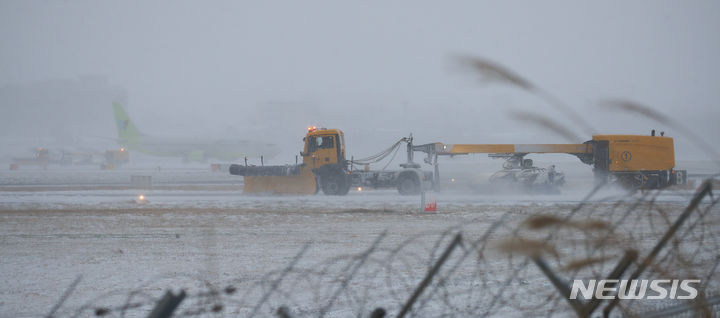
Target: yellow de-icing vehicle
point(633, 161)
point(636, 161)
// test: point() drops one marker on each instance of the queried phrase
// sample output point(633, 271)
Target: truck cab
point(323, 147)
point(324, 155)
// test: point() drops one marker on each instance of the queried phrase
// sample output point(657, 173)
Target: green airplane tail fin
point(127, 132)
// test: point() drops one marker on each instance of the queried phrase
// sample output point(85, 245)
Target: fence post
point(583, 309)
point(167, 305)
point(64, 297)
point(284, 312)
point(428, 278)
point(705, 189)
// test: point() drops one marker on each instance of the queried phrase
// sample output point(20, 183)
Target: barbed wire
point(479, 268)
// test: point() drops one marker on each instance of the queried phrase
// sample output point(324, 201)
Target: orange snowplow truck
point(633, 161)
point(325, 167)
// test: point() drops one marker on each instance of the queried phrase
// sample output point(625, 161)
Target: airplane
point(189, 149)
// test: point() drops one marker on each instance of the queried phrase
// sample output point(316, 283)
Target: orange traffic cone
point(431, 206)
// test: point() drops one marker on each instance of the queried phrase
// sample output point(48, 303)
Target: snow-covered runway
point(117, 244)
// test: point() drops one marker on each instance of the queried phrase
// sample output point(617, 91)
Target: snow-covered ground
point(200, 188)
point(180, 237)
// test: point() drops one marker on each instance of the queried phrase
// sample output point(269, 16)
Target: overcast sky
point(378, 69)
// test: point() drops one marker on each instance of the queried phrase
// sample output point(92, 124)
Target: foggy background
point(379, 70)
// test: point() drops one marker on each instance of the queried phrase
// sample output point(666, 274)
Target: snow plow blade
point(253, 171)
point(286, 180)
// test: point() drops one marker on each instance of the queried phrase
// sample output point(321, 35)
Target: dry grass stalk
point(541, 221)
point(585, 262)
point(610, 240)
point(493, 72)
point(593, 225)
point(634, 107)
point(548, 124)
point(526, 247)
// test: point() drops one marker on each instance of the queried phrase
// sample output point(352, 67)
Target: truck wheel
point(633, 181)
point(408, 185)
point(653, 182)
point(334, 184)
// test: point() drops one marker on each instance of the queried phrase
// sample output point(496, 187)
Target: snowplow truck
point(325, 167)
